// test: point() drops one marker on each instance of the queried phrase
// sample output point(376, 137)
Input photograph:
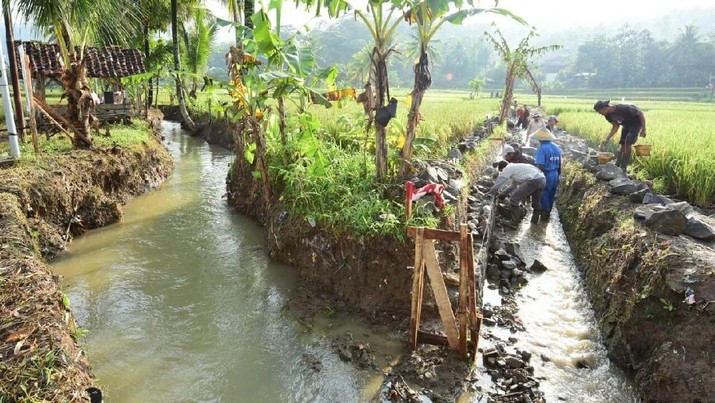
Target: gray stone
point(448, 196)
point(514, 250)
point(622, 186)
point(608, 172)
point(700, 230)
point(644, 212)
point(538, 267)
point(638, 196)
point(456, 184)
point(492, 273)
point(489, 171)
point(508, 264)
point(683, 207)
point(656, 198)
point(669, 222)
point(454, 154)
point(531, 151)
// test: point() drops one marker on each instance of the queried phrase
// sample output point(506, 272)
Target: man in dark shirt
point(515, 156)
point(632, 119)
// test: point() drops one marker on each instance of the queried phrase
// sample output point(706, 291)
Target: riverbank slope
point(43, 204)
point(638, 282)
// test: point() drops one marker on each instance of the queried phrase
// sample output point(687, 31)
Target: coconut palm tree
point(177, 66)
point(77, 23)
point(196, 41)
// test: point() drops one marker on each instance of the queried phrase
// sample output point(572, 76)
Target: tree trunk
point(80, 105)
point(508, 93)
point(147, 50)
point(423, 80)
point(177, 69)
point(236, 20)
point(383, 93)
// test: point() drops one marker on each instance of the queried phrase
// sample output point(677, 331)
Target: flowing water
point(560, 324)
point(183, 305)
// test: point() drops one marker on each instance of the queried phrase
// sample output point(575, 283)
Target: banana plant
point(428, 17)
point(517, 62)
point(379, 18)
point(268, 68)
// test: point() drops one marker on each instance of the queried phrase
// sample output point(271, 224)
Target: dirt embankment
point(638, 281)
point(42, 206)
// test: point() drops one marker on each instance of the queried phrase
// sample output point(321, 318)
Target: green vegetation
point(681, 135)
point(119, 135)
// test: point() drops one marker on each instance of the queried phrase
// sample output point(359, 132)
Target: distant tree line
point(629, 58)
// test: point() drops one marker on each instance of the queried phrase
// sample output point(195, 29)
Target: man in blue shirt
point(548, 159)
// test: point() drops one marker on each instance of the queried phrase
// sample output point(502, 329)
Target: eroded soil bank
point(41, 208)
point(637, 280)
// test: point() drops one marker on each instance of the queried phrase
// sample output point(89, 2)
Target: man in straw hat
point(548, 159)
point(632, 119)
point(536, 123)
point(526, 180)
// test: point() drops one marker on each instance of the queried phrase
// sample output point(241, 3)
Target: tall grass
point(682, 135)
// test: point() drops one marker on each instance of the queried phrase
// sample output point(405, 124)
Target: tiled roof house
point(108, 62)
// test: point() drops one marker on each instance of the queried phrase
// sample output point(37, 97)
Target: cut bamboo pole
point(417, 288)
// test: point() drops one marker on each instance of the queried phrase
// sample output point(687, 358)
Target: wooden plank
point(53, 121)
point(409, 188)
point(472, 289)
point(429, 254)
point(417, 289)
point(430, 338)
point(475, 319)
point(462, 311)
point(33, 123)
point(429, 233)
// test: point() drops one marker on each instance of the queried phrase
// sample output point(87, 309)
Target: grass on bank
point(681, 134)
point(122, 135)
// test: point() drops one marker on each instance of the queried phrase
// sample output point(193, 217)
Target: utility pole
point(12, 55)
point(9, 116)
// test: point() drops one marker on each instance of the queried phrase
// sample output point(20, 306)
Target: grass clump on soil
point(122, 135)
point(327, 169)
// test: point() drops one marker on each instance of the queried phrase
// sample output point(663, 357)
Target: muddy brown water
point(182, 304)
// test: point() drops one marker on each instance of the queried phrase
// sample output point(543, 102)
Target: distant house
point(109, 64)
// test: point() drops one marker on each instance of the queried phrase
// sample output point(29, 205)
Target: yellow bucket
point(604, 157)
point(642, 150)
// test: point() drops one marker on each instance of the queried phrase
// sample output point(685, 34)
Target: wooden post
point(464, 247)
point(409, 189)
point(27, 78)
point(417, 288)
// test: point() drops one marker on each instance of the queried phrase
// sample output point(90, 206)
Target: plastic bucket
point(642, 150)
